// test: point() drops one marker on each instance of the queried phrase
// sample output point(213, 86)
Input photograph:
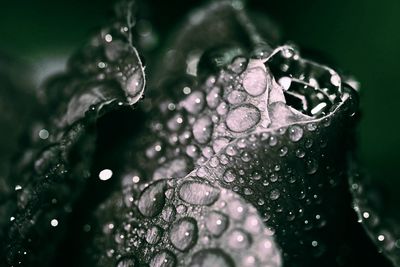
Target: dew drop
point(163, 258)
point(229, 176)
point(243, 118)
point(312, 126)
point(216, 223)
point(274, 195)
point(250, 261)
point(127, 262)
point(283, 151)
point(198, 193)
point(183, 234)
point(202, 129)
point(231, 151)
point(265, 250)
point(239, 64)
point(213, 97)
point(253, 225)
point(272, 141)
point(152, 200)
point(219, 144)
point(255, 81)
point(192, 151)
point(300, 153)
point(222, 108)
point(135, 85)
point(213, 257)
point(312, 166)
point(237, 209)
point(168, 213)
point(295, 133)
point(238, 239)
point(194, 103)
point(236, 97)
point(153, 235)
point(285, 82)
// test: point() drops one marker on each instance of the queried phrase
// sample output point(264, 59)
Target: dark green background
point(361, 36)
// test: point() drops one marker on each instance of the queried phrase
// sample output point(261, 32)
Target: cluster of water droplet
point(230, 170)
point(186, 222)
point(383, 233)
point(237, 132)
point(106, 74)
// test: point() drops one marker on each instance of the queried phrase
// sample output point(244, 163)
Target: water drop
point(213, 97)
point(163, 258)
point(213, 257)
point(135, 85)
point(239, 64)
point(194, 103)
point(238, 239)
point(274, 195)
point(285, 82)
point(300, 153)
point(272, 141)
point(202, 129)
point(192, 151)
point(250, 261)
point(236, 97)
point(229, 176)
point(219, 144)
point(222, 108)
point(283, 151)
point(198, 193)
point(168, 213)
point(312, 126)
point(183, 234)
point(237, 209)
point(152, 200)
point(153, 235)
point(312, 166)
point(243, 118)
point(216, 223)
point(295, 133)
point(127, 262)
point(253, 225)
point(255, 81)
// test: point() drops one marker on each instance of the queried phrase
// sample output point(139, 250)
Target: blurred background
point(360, 36)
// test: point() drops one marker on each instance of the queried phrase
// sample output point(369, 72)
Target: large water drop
point(243, 118)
